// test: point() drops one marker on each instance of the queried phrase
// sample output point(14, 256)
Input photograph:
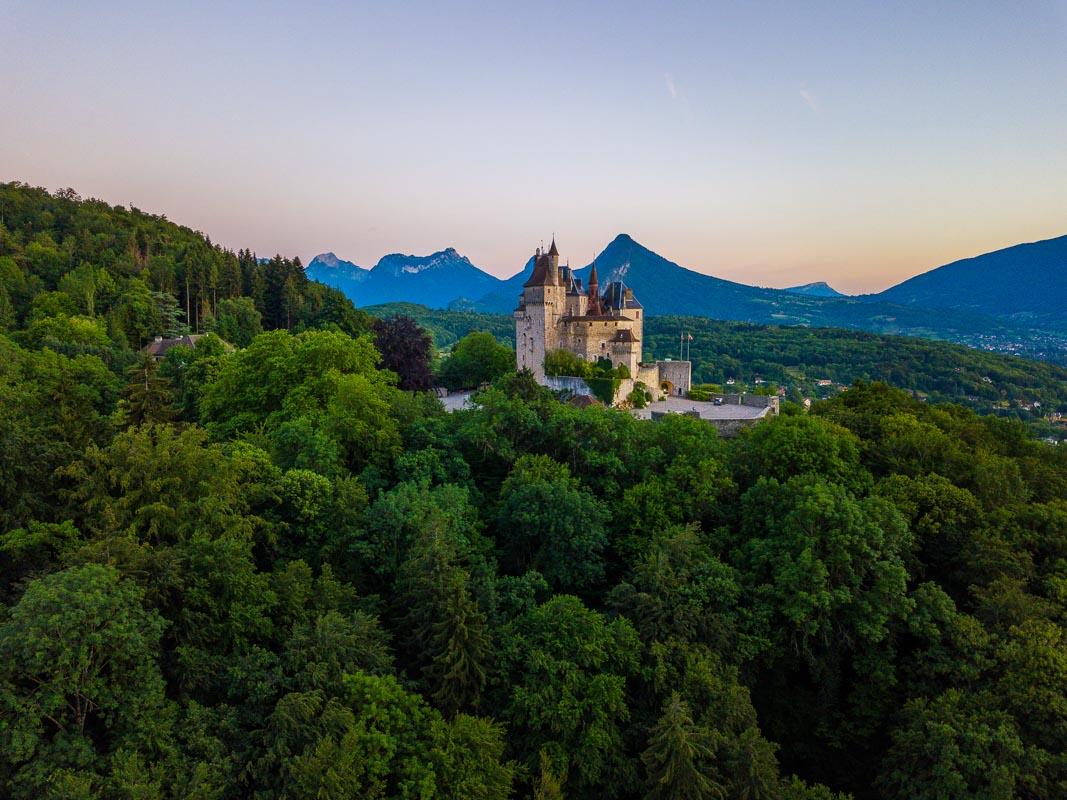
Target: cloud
point(672, 90)
point(810, 99)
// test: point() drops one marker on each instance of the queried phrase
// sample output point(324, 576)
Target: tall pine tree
point(678, 758)
point(447, 639)
point(147, 396)
point(460, 647)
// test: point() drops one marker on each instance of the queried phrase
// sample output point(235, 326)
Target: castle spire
point(593, 307)
point(552, 251)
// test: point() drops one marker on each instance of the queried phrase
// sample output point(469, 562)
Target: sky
point(768, 143)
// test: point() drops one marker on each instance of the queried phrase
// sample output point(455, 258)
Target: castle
point(555, 312)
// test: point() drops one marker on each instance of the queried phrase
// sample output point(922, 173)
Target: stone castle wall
point(677, 373)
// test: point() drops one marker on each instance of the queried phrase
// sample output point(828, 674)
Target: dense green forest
point(797, 358)
point(279, 570)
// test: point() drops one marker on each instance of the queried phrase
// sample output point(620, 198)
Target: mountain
point(331, 270)
point(329, 261)
point(1027, 282)
point(435, 280)
point(1036, 328)
point(505, 297)
point(817, 289)
point(664, 288)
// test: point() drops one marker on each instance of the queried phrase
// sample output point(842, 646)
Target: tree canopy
point(272, 566)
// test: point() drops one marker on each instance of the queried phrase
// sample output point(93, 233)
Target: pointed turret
point(593, 308)
point(553, 263)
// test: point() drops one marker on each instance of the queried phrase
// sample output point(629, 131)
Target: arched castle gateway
point(556, 312)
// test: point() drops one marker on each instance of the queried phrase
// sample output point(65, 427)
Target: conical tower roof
point(593, 306)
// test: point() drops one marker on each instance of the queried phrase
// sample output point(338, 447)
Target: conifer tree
point(147, 396)
point(7, 310)
point(549, 784)
point(447, 638)
point(460, 647)
point(678, 759)
point(170, 315)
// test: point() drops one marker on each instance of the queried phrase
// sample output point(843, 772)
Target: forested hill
point(269, 571)
point(798, 358)
point(84, 276)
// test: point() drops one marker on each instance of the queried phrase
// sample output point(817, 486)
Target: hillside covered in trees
point(279, 570)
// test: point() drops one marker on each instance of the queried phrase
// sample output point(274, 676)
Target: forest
point(271, 566)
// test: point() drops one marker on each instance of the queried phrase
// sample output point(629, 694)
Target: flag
point(690, 337)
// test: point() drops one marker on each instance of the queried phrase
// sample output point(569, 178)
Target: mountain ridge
point(446, 279)
point(1027, 280)
point(434, 280)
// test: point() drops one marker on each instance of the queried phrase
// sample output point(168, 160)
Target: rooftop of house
point(159, 346)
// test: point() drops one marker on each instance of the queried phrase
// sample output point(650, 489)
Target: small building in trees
point(158, 347)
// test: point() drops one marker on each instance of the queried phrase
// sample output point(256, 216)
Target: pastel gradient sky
point(770, 143)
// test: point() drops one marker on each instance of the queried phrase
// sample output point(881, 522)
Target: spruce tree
point(170, 315)
point(460, 648)
point(147, 396)
point(8, 318)
point(447, 636)
point(678, 758)
point(549, 783)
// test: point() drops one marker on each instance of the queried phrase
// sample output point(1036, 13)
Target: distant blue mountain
point(1024, 282)
point(817, 289)
point(333, 271)
point(436, 280)
point(505, 297)
point(665, 288)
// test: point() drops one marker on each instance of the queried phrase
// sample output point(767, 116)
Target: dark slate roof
point(625, 335)
point(552, 251)
point(159, 347)
point(615, 297)
point(573, 284)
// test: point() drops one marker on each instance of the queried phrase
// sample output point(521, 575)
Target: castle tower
point(541, 307)
point(593, 308)
point(553, 256)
